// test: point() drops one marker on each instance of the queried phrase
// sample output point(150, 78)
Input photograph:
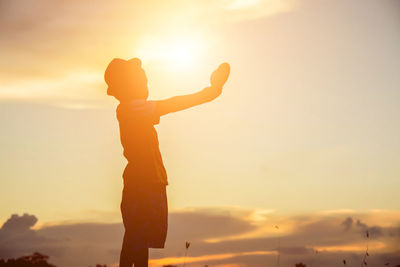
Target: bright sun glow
point(174, 52)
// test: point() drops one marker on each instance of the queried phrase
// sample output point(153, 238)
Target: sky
point(305, 132)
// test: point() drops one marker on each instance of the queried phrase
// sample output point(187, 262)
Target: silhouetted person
point(144, 202)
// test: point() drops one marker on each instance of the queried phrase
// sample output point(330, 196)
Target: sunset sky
point(305, 133)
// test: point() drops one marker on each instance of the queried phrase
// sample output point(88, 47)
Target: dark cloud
point(393, 232)
point(17, 238)
point(373, 231)
point(333, 259)
point(363, 226)
point(295, 250)
point(19, 223)
point(101, 242)
point(347, 223)
point(195, 225)
point(84, 244)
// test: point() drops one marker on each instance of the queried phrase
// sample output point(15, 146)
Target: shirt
point(140, 142)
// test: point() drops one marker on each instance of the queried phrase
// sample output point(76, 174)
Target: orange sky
point(307, 123)
point(308, 120)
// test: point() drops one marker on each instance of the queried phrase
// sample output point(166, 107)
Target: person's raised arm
point(177, 103)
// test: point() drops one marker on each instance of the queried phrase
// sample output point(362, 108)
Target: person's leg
point(141, 257)
point(126, 256)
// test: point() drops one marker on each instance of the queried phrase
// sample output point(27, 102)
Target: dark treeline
point(36, 259)
point(40, 260)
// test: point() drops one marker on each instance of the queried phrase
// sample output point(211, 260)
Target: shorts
point(145, 214)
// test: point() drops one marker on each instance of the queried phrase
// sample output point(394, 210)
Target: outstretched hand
point(220, 76)
point(218, 79)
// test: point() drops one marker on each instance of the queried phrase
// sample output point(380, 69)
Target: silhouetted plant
point(187, 245)
point(279, 248)
point(364, 261)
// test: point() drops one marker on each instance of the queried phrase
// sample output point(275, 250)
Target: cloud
point(200, 225)
point(255, 9)
point(18, 238)
point(335, 236)
point(362, 225)
point(19, 223)
point(45, 44)
point(101, 242)
point(348, 223)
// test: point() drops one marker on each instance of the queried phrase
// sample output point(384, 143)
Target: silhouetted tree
point(36, 259)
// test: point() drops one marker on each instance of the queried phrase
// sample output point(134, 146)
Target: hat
point(119, 72)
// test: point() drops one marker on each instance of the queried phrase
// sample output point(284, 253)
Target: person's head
point(126, 79)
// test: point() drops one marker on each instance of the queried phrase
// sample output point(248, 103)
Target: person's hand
point(220, 76)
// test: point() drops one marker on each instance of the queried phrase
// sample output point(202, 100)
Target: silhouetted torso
point(140, 142)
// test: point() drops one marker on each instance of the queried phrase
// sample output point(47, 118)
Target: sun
point(175, 52)
point(181, 54)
